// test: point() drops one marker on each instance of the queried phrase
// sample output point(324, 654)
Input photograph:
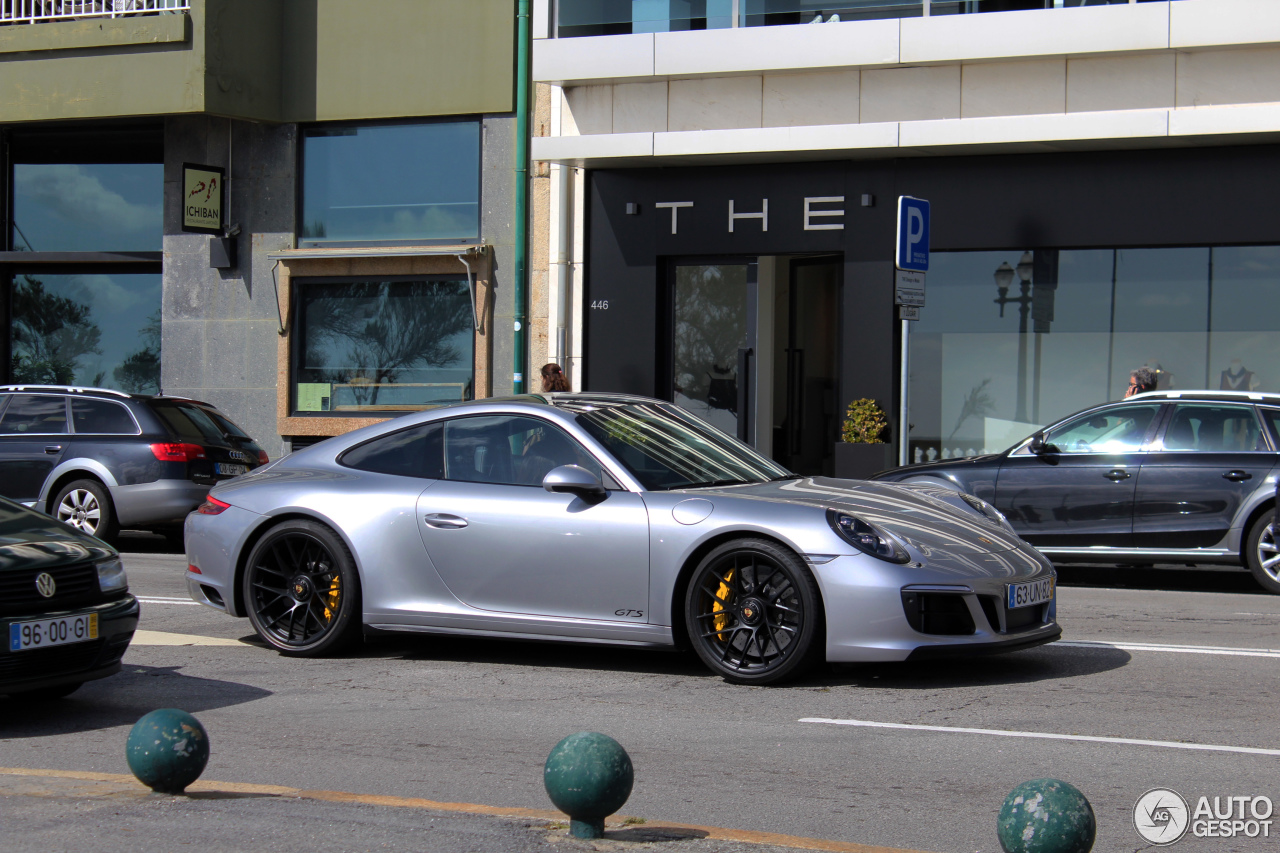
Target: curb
point(615, 822)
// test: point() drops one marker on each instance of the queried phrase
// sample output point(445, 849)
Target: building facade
point(361, 260)
point(722, 191)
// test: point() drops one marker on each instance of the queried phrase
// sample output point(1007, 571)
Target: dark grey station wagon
point(101, 460)
point(1166, 476)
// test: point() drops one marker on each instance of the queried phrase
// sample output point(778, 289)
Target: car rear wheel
point(86, 505)
point(302, 591)
point(753, 613)
point(1262, 552)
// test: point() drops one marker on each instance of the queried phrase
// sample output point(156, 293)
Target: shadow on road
point(142, 542)
point(1045, 663)
point(1172, 578)
point(120, 700)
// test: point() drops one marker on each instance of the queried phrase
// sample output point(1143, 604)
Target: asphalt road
point(1148, 670)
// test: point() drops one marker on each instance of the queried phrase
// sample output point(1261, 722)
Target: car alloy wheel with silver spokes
point(1262, 552)
point(301, 589)
point(753, 612)
point(86, 506)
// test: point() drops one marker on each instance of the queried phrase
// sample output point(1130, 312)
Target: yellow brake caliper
point(721, 620)
point(331, 600)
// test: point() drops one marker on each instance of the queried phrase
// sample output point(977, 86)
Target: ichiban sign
point(202, 193)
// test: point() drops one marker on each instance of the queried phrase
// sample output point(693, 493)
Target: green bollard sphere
point(588, 776)
point(1046, 816)
point(167, 750)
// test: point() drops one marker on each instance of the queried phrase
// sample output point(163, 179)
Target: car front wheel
point(1262, 552)
point(753, 613)
point(302, 591)
point(86, 505)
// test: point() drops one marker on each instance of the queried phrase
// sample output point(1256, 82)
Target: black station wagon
point(1166, 476)
point(101, 460)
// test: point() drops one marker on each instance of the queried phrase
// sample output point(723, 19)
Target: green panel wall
point(266, 60)
point(389, 58)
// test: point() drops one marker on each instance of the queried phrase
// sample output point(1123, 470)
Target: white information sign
point(908, 312)
point(908, 288)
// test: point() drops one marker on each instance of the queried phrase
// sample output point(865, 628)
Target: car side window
point(101, 417)
point(414, 452)
point(1214, 428)
point(509, 450)
point(1118, 430)
point(31, 414)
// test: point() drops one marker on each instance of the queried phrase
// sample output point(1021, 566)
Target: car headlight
point(111, 576)
point(987, 511)
point(868, 538)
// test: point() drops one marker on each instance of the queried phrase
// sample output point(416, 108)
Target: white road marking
point(158, 599)
point(1203, 747)
point(164, 638)
point(1165, 647)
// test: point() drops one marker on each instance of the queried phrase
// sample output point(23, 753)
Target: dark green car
point(65, 609)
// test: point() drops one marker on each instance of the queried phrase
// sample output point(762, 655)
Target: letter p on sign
point(913, 234)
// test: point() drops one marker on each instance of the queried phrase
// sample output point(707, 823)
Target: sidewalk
point(43, 810)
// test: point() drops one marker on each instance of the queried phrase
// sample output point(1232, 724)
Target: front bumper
point(73, 663)
point(867, 622)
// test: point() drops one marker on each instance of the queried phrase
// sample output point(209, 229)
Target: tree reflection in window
point(389, 345)
point(50, 335)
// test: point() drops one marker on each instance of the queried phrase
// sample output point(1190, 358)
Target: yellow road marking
point(164, 638)
point(132, 785)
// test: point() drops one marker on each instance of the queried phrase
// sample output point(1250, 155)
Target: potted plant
point(864, 449)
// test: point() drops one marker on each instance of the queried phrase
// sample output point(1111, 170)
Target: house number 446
point(600, 304)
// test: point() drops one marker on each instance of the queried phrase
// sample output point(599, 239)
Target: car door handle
point(1237, 476)
point(53, 448)
point(1117, 475)
point(444, 521)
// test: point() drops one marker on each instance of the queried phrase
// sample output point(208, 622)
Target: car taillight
point(262, 457)
point(195, 570)
point(177, 452)
point(212, 506)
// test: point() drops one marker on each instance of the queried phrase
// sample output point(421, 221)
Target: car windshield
point(192, 423)
point(666, 448)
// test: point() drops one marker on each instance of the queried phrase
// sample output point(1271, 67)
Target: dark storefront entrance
point(761, 297)
point(753, 347)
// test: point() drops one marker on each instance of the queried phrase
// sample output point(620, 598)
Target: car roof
point(95, 392)
point(1208, 394)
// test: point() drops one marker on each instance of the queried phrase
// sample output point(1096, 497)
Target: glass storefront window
point(1010, 341)
point(390, 184)
point(98, 330)
point(87, 207)
point(379, 346)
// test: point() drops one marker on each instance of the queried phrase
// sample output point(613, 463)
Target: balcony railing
point(37, 11)
point(614, 17)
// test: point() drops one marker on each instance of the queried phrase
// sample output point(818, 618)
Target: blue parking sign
point(913, 234)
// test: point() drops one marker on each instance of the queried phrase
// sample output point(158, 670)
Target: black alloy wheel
point(302, 591)
point(753, 613)
point(1262, 552)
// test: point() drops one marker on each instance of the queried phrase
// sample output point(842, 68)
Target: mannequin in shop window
point(1238, 378)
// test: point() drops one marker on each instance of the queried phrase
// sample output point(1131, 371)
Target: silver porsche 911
point(609, 519)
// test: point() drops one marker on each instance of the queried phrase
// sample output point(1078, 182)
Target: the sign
point(202, 193)
point(913, 234)
point(908, 312)
point(908, 288)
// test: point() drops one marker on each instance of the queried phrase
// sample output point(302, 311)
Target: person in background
point(1140, 381)
point(553, 378)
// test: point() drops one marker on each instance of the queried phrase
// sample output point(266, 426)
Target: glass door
point(713, 335)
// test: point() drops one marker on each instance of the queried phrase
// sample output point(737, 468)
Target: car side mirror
point(1037, 445)
point(575, 480)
